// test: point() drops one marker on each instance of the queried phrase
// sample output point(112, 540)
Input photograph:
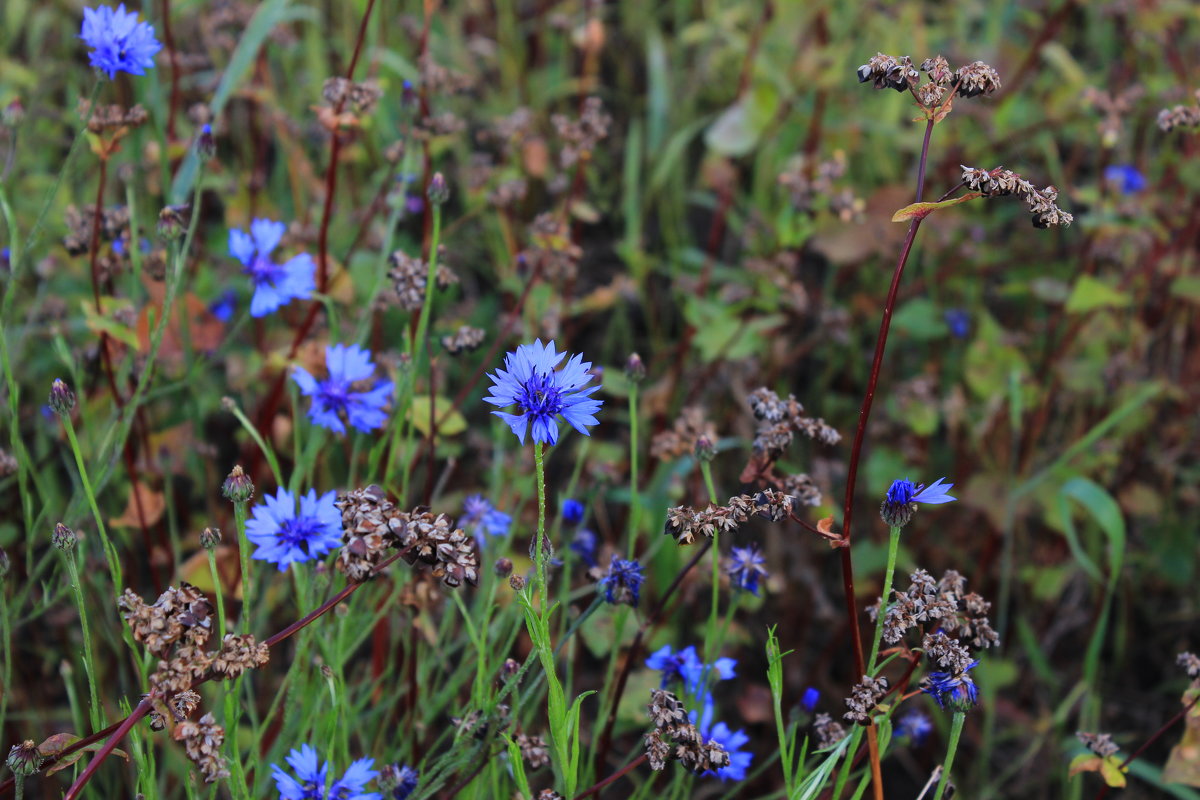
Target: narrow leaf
point(923, 210)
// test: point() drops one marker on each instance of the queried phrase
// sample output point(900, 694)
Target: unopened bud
point(24, 758)
point(511, 667)
point(63, 538)
point(62, 399)
point(206, 146)
point(13, 113)
point(503, 567)
point(408, 95)
point(516, 582)
point(173, 221)
point(705, 450)
point(439, 192)
point(635, 370)
point(210, 538)
point(238, 488)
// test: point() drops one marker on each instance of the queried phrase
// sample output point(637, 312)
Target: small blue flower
point(811, 696)
point(916, 726)
point(731, 740)
point(584, 544)
point(957, 690)
point(399, 781)
point(687, 668)
point(959, 322)
point(530, 382)
point(311, 776)
point(902, 496)
point(481, 517)
point(1126, 178)
point(223, 307)
point(623, 582)
point(275, 285)
point(119, 42)
point(746, 568)
point(285, 536)
point(572, 511)
point(335, 397)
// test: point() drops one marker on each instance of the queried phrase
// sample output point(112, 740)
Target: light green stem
point(710, 634)
point(956, 727)
point(110, 552)
point(540, 544)
point(239, 516)
point(212, 569)
point(881, 615)
point(89, 664)
point(417, 346)
point(635, 502)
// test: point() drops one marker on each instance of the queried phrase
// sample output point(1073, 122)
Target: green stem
point(635, 503)
point(710, 641)
point(110, 552)
point(955, 732)
point(416, 348)
point(212, 569)
point(239, 516)
point(89, 664)
point(539, 543)
point(893, 548)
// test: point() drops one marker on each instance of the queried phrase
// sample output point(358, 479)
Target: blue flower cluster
point(335, 397)
point(119, 42)
point(956, 690)
point(311, 777)
point(746, 568)
point(481, 517)
point(686, 667)
point(623, 582)
point(275, 285)
point(530, 382)
point(285, 536)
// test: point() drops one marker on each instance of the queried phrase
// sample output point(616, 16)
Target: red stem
point(637, 762)
point(1154, 738)
point(143, 708)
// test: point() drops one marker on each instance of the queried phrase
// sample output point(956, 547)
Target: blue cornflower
point(731, 740)
point(902, 498)
point(119, 42)
point(529, 381)
point(284, 535)
point(584, 544)
point(335, 397)
point(223, 307)
point(572, 511)
point(746, 568)
point(809, 701)
point(956, 689)
point(398, 782)
point(958, 321)
point(916, 726)
point(311, 776)
point(481, 517)
point(686, 667)
point(1126, 178)
point(275, 285)
point(623, 582)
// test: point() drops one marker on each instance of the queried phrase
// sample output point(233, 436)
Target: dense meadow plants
point(422, 400)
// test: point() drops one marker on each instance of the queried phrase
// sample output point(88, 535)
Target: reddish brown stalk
point(142, 709)
point(1153, 738)
point(616, 776)
point(173, 56)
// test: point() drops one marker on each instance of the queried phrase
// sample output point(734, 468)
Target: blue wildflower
point(1126, 178)
point(398, 782)
point(729, 739)
point(311, 776)
point(284, 535)
point(916, 726)
point(481, 517)
point(119, 42)
point(958, 321)
point(686, 667)
point(746, 568)
point(530, 382)
point(902, 497)
point(584, 544)
point(809, 701)
point(223, 307)
point(572, 511)
point(956, 689)
point(335, 397)
point(623, 582)
point(275, 285)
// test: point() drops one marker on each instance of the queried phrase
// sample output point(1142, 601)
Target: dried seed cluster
point(959, 614)
point(684, 523)
point(674, 737)
point(551, 252)
point(829, 731)
point(360, 97)
point(239, 653)
point(1190, 663)
point(897, 72)
point(1180, 116)
point(681, 439)
point(863, 698)
point(780, 420)
point(1099, 743)
point(108, 118)
point(113, 224)
point(463, 340)
point(408, 275)
point(202, 741)
point(534, 752)
point(580, 136)
point(1001, 182)
point(807, 184)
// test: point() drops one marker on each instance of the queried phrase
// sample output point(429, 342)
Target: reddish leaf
point(923, 210)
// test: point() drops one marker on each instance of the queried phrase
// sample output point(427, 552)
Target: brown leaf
point(153, 503)
point(923, 210)
point(204, 331)
point(56, 744)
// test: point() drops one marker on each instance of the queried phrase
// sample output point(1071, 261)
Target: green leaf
point(1089, 294)
point(920, 319)
point(1187, 287)
point(448, 424)
point(1110, 769)
point(737, 130)
point(923, 210)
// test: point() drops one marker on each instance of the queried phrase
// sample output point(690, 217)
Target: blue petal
point(935, 493)
point(267, 234)
point(241, 246)
point(518, 423)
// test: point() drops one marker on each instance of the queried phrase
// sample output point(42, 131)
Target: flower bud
point(705, 450)
point(206, 146)
point(62, 399)
point(238, 488)
point(635, 370)
point(516, 582)
point(63, 538)
point(24, 758)
point(13, 113)
point(210, 538)
point(173, 221)
point(439, 192)
point(503, 567)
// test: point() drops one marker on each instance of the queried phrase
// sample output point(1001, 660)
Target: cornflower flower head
point(902, 497)
point(572, 511)
point(958, 321)
point(1126, 178)
point(745, 568)
point(275, 285)
point(335, 397)
point(584, 544)
point(285, 535)
point(731, 740)
point(311, 777)
point(542, 394)
point(119, 42)
point(398, 782)
point(623, 582)
point(809, 701)
point(916, 726)
point(955, 689)
point(480, 517)
point(686, 667)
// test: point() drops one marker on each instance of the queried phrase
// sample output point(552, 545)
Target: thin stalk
point(239, 517)
point(539, 543)
point(635, 502)
point(89, 661)
point(955, 732)
point(417, 346)
point(216, 579)
point(893, 548)
point(110, 552)
point(714, 607)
